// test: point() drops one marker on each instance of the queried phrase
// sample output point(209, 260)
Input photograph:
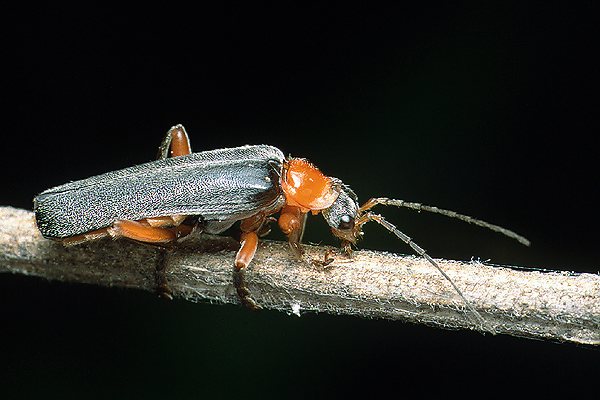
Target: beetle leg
point(160, 275)
point(153, 231)
point(248, 245)
point(142, 232)
point(86, 237)
point(176, 143)
point(265, 229)
point(174, 223)
point(328, 258)
point(159, 231)
point(325, 261)
point(291, 222)
point(166, 221)
point(346, 246)
point(171, 221)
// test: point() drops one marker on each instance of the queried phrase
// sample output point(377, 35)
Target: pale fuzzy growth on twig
point(550, 305)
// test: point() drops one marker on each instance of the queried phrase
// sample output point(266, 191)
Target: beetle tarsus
point(160, 276)
point(244, 256)
point(325, 261)
point(239, 281)
point(164, 291)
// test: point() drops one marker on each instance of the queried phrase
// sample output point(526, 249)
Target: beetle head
point(342, 215)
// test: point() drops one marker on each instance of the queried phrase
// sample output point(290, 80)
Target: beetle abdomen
point(220, 185)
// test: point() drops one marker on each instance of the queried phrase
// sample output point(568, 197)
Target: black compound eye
point(346, 222)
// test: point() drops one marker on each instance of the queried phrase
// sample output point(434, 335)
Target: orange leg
point(173, 222)
point(162, 228)
point(168, 221)
point(180, 143)
point(142, 232)
point(248, 244)
point(86, 237)
point(249, 240)
point(151, 231)
point(159, 230)
point(290, 219)
point(176, 143)
point(291, 222)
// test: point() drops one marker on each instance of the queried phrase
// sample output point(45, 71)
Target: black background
point(488, 110)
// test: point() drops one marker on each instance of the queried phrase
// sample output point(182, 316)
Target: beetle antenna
point(369, 216)
point(448, 213)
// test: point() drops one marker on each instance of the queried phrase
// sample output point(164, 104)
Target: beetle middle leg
point(251, 227)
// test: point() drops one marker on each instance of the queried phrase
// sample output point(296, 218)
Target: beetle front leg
point(346, 246)
point(176, 143)
point(291, 222)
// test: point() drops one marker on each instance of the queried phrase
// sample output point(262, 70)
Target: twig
point(551, 305)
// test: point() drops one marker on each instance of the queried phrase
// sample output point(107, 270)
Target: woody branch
point(546, 305)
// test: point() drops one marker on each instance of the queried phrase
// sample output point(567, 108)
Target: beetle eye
point(346, 222)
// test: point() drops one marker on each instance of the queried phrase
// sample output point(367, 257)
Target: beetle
point(164, 200)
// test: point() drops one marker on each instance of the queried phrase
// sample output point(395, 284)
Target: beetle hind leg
point(176, 143)
point(160, 275)
point(86, 237)
point(161, 231)
point(141, 231)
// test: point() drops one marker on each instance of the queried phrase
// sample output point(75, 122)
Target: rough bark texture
point(546, 305)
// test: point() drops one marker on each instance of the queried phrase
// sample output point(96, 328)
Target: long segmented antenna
point(369, 216)
point(448, 213)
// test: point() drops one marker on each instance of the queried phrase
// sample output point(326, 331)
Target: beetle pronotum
point(163, 200)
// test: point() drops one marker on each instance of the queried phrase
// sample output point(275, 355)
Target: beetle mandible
point(161, 201)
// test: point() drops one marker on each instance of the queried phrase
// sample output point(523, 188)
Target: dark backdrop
point(488, 110)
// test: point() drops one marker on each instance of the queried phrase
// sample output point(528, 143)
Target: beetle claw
point(164, 291)
point(325, 261)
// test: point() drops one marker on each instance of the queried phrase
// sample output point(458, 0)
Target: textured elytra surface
point(219, 185)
